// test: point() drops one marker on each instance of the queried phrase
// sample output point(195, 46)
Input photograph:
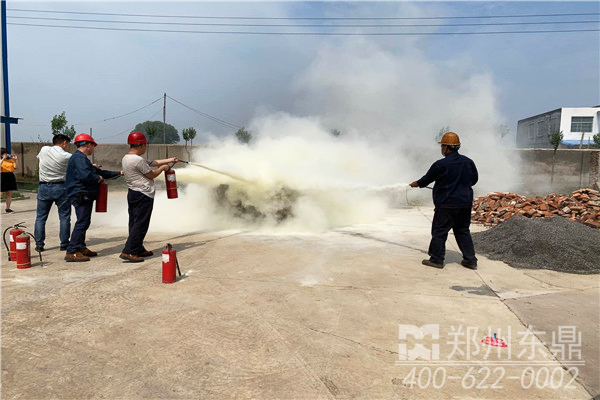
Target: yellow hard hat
point(450, 139)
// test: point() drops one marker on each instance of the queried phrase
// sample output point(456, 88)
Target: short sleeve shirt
point(134, 169)
point(8, 166)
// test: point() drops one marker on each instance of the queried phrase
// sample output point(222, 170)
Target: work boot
point(470, 265)
point(430, 263)
point(88, 253)
point(145, 253)
point(131, 258)
point(76, 257)
point(39, 249)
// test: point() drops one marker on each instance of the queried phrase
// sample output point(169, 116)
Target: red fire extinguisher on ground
point(169, 263)
point(171, 184)
point(19, 249)
point(13, 234)
point(23, 251)
point(102, 199)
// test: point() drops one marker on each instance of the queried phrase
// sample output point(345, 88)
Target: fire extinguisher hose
point(237, 178)
point(39, 252)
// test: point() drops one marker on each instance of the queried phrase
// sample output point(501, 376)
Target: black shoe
point(63, 248)
point(470, 265)
point(9, 211)
point(430, 263)
point(39, 249)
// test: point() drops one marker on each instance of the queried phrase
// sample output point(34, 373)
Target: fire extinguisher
point(171, 184)
point(19, 249)
point(169, 262)
point(14, 231)
point(102, 199)
point(23, 252)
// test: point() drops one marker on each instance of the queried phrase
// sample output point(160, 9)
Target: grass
point(15, 195)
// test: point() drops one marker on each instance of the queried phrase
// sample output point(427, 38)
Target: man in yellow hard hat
point(454, 175)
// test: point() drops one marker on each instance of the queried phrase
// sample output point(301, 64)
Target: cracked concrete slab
point(271, 315)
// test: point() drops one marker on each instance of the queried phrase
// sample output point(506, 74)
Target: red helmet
point(136, 138)
point(84, 137)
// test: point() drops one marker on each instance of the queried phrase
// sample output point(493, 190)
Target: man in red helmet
point(454, 176)
point(82, 181)
point(140, 196)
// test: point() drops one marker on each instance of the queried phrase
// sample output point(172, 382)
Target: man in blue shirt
point(82, 182)
point(454, 176)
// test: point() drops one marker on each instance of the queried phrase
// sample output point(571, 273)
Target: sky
point(362, 84)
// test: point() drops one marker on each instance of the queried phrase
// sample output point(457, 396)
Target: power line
point(129, 130)
point(307, 25)
point(105, 119)
point(303, 18)
point(118, 116)
point(312, 33)
point(129, 113)
point(212, 118)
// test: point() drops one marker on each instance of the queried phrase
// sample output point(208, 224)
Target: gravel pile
point(554, 243)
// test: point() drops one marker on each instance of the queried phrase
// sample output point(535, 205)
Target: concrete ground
point(290, 316)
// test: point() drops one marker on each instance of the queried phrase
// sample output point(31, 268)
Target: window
point(530, 130)
point(581, 124)
point(541, 128)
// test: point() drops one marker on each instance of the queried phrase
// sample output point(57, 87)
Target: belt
point(52, 183)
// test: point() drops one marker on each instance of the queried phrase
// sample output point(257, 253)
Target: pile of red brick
point(582, 206)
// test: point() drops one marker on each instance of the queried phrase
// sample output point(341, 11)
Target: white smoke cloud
point(389, 107)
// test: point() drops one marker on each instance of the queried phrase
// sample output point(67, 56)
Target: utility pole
point(165, 125)
point(93, 159)
point(6, 118)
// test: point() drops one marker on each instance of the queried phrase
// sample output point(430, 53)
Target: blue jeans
point(47, 195)
point(83, 209)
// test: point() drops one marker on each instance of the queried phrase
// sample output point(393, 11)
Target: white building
point(535, 132)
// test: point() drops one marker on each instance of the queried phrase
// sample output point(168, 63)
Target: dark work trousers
point(457, 219)
point(140, 211)
point(83, 210)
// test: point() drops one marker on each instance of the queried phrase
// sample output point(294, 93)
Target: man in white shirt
point(140, 196)
point(53, 162)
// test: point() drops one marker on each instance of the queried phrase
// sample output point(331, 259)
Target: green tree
point(596, 139)
point(188, 134)
point(155, 135)
point(151, 132)
point(59, 125)
point(555, 140)
point(441, 132)
point(243, 136)
point(70, 132)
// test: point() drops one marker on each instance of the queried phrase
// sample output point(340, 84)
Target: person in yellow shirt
point(8, 182)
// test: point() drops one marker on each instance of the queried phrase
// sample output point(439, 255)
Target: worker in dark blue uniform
point(82, 182)
point(454, 176)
